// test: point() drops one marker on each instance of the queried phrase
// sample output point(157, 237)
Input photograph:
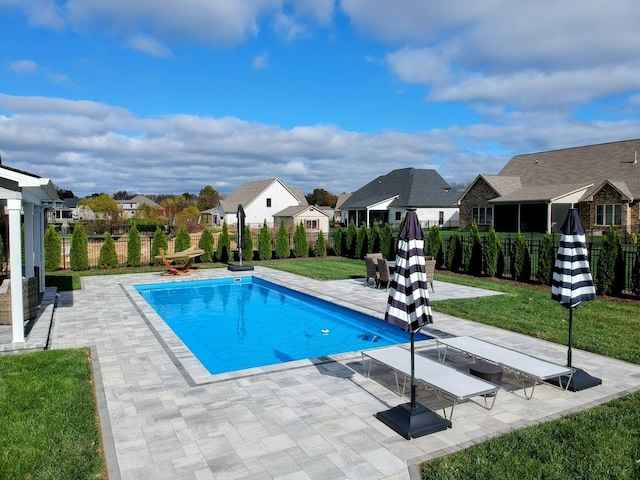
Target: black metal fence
point(594, 248)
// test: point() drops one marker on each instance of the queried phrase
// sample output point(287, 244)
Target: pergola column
point(27, 209)
point(14, 206)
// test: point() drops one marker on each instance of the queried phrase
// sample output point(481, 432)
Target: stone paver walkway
point(164, 416)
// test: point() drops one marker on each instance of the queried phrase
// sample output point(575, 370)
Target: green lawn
point(48, 428)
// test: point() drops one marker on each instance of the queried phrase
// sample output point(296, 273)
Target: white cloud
point(261, 62)
point(148, 45)
point(91, 147)
point(23, 66)
point(288, 28)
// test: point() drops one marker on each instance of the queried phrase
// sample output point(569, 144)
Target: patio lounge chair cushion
point(522, 364)
point(445, 380)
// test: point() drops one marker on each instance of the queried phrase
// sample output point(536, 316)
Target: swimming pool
point(238, 323)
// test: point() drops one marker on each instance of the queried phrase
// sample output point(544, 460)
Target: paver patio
point(163, 416)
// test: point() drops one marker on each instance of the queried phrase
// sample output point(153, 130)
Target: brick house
point(533, 192)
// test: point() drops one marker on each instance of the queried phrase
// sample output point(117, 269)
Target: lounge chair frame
point(189, 254)
point(523, 366)
point(445, 381)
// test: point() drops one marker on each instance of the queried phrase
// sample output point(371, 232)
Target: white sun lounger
point(444, 380)
point(522, 365)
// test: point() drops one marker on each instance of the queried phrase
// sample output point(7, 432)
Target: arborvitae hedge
point(79, 254)
point(635, 275)
point(386, 242)
point(134, 247)
point(224, 244)
point(338, 241)
point(206, 243)
point(247, 250)
point(608, 263)
point(352, 236)
point(454, 253)
point(183, 240)
point(434, 244)
point(300, 242)
point(265, 250)
point(492, 253)
point(108, 256)
point(473, 253)
point(362, 241)
point(159, 241)
point(546, 260)
point(52, 254)
point(520, 260)
point(283, 247)
point(320, 249)
point(374, 239)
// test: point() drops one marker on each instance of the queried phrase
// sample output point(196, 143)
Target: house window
point(440, 218)
point(483, 215)
point(268, 203)
point(311, 224)
point(609, 214)
point(398, 216)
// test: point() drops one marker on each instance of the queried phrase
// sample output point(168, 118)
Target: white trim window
point(483, 215)
point(609, 214)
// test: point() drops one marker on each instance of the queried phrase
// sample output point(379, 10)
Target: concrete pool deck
point(163, 416)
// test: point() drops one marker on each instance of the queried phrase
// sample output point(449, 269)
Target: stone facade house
point(533, 192)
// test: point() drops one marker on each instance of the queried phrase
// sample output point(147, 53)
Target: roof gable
point(591, 164)
point(248, 192)
point(412, 187)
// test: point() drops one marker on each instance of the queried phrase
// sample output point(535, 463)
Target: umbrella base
point(581, 380)
point(413, 422)
point(239, 268)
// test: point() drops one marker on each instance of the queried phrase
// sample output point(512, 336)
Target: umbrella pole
point(413, 378)
point(570, 332)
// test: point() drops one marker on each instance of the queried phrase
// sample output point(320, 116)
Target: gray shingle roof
point(412, 187)
point(591, 164)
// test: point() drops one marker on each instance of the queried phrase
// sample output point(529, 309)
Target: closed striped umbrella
point(572, 282)
point(408, 303)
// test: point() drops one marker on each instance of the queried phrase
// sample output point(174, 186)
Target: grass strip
point(48, 425)
point(605, 327)
point(600, 443)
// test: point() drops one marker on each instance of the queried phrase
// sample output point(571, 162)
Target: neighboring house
point(25, 197)
point(209, 217)
point(387, 198)
point(314, 218)
point(129, 207)
point(337, 214)
point(533, 192)
point(261, 200)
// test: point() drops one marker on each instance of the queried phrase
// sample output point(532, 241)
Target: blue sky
point(156, 96)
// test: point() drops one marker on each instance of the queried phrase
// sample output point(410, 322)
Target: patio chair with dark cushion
point(372, 271)
point(384, 275)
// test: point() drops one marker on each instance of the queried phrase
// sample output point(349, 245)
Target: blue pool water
point(237, 323)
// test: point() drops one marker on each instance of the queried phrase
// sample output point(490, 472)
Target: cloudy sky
point(159, 96)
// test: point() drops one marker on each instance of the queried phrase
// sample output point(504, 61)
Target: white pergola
point(25, 197)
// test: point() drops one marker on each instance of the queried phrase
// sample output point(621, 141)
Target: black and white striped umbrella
point(572, 282)
point(408, 304)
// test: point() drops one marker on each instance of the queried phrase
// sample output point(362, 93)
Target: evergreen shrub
point(108, 257)
point(134, 247)
point(79, 254)
point(52, 255)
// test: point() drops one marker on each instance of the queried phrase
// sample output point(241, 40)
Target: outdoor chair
point(430, 265)
point(372, 271)
point(189, 255)
point(384, 275)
